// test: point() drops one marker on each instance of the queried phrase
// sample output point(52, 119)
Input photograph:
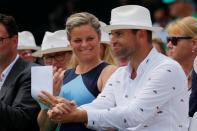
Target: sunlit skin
point(183, 49)
point(86, 46)
point(121, 43)
point(63, 63)
point(130, 45)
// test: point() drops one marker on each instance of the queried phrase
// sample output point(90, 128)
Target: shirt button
point(125, 121)
point(126, 96)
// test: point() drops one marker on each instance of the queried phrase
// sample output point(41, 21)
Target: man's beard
point(123, 54)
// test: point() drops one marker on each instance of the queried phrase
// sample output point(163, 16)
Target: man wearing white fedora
point(149, 94)
point(55, 49)
point(27, 45)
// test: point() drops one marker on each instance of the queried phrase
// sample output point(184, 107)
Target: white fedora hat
point(26, 41)
point(131, 17)
point(195, 64)
point(104, 35)
point(53, 42)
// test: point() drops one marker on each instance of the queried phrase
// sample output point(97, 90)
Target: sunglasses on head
point(174, 40)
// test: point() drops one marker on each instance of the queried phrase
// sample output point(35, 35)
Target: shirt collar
point(8, 68)
point(144, 64)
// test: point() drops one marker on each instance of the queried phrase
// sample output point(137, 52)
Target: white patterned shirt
point(5, 73)
point(156, 100)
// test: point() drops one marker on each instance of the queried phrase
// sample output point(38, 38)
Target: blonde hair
point(185, 26)
point(79, 19)
point(108, 55)
point(83, 18)
point(73, 61)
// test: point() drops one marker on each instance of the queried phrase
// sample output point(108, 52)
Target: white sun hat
point(104, 35)
point(26, 41)
point(53, 42)
point(131, 17)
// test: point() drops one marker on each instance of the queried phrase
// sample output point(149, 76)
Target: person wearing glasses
point(18, 110)
point(181, 44)
point(88, 75)
point(55, 50)
point(149, 94)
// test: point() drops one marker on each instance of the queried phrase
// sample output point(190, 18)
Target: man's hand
point(58, 76)
point(67, 113)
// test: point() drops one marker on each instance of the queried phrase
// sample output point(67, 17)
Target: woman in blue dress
point(88, 75)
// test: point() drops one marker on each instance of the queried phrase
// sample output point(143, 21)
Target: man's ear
point(142, 34)
point(15, 40)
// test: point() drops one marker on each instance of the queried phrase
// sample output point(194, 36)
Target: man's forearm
point(80, 115)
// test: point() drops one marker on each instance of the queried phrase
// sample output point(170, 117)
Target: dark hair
point(149, 34)
point(160, 44)
point(10, 24)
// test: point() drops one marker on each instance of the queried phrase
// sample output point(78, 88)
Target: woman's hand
point(48, 99)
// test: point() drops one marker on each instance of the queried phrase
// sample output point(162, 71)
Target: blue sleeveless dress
point(82, 89)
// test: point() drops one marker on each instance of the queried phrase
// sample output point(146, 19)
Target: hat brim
point(28, 47)
point(105, 42)
point(40, 53)
point(195, 64)
point(109, 28)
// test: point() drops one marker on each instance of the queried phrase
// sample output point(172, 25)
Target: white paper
point(41, 80)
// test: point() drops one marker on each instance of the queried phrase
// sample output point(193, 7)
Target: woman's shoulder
point(109, 69)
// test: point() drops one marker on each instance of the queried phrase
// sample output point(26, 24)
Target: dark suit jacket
point(18, 110)
point(193, 95)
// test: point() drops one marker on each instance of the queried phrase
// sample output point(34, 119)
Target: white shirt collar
point(144, 64)
point(5, 73)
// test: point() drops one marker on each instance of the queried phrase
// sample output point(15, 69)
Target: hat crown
point(104, 35)
point(26, 40)
point(131, 15)
point(57, 39)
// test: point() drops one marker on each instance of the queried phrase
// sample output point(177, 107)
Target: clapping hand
point(62, 112)
point(58, 75)
point(51, 100)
